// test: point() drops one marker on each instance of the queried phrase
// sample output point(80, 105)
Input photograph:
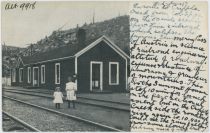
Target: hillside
point(9, 58)
point(117, 29)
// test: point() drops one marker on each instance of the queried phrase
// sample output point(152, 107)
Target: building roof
point(69, 51)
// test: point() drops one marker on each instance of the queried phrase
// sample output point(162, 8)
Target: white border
point(101, 74)
point(117, 74)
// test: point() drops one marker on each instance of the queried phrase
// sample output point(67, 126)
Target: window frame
point(117, 74)
point(29, 74)
point(43, 75)
point(57, 64)
point(37, 75)
point(101, 74)
point(20, 76)
point(14, 75)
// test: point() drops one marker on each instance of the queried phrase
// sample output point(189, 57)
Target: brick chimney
point(81, 37)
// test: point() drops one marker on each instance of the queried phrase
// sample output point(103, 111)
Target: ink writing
point(169, 72)
point(17, 5)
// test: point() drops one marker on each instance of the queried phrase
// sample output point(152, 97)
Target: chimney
point(81, 37)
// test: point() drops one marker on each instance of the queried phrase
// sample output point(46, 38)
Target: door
point(35, 76)
point(96, 76)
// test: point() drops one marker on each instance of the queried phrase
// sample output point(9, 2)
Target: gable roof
point(19, 61)
point(109, 42)
point(69, 51)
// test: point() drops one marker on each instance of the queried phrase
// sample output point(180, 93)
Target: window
point(13, 75)
point(36, 76)
point(113, 73)
point(21, 75)
point(29, 75)
point(42, 74)
point(57, 73)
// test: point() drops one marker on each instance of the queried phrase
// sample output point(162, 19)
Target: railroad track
point(109, 105)
point(12, 123)
point(66, 122)
point(81, 97)
point(117, 119)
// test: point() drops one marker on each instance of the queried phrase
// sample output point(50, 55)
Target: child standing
point(71, 89)
point(58, 97)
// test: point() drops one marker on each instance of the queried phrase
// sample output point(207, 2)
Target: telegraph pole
point(93, 16)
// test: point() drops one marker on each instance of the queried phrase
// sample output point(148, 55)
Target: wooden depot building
point(100, 65)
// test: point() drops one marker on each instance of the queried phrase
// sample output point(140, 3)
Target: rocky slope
point(117, 29)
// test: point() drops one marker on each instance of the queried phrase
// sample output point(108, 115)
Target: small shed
point(100, 65)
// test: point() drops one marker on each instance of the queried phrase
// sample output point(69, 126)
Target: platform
point(116, 97)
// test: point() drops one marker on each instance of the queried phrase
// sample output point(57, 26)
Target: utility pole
point(63, 26)
point(93, 16)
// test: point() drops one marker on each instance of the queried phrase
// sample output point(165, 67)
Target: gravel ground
point(10, 125)
point(44, 120)
point(113, 118)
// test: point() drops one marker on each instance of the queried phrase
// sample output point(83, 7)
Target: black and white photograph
point(65, 66)
point(105, 66)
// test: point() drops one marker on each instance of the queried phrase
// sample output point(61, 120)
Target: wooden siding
point(99, 53)
point(104, 53)
point(66, 69)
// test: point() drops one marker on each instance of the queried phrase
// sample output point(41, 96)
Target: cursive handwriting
point(169, 54)
point(22, 5)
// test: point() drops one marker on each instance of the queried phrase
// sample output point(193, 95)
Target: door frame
point(37, 75)
point(101, 74)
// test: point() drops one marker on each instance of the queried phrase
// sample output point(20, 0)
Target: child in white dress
point(58, 97)
point(71, 89)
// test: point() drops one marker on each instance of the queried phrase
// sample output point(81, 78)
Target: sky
point(22, 27)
